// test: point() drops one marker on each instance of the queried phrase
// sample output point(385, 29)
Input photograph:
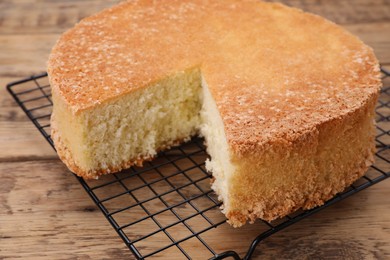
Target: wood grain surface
point(46, 214)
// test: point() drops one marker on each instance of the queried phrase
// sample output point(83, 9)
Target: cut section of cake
point(284, 99)
point(127, 130)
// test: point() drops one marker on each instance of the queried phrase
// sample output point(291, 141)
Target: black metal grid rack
point(167, 206)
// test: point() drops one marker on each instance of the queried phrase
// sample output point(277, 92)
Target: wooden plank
point(22, 141)
point(19, 138)
point(24, 55)
point(31, 16)
point(357, 228)
point(45, 213)
point(375, 35)
point(345, 11)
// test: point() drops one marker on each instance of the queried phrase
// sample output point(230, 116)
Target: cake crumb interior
point(140, 124)
point(135, 127)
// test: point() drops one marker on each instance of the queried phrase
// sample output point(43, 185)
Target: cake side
point(304, 173)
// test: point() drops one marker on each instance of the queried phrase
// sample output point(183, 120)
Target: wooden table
point(45, 213)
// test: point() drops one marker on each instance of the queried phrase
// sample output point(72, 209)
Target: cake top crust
point(275, 72)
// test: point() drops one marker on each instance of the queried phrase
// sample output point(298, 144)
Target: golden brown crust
point(326, 162)
point(279, 208)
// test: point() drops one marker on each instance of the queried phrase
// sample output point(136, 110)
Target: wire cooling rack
point(167, 208)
